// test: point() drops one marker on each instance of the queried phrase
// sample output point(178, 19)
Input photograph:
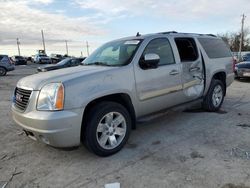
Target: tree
point(233, 40)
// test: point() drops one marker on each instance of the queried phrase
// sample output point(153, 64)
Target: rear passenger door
point(192, 67)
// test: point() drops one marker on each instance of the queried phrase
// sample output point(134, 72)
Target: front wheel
point(215, 96)
point(108, 128)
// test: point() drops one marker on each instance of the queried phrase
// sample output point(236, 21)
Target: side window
point(74, 62)
point(187, 49)
point(162, 48)
point(215, 48)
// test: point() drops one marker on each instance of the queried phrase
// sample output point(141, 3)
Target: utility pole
point(242, 34)
point(67, 51)
point(43, 41)
point(18, 43)
point(87, 46)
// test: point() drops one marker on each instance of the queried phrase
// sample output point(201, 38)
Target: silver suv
point(98, 102)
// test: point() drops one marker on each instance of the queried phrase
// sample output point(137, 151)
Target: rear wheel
point(2, 71)
point(215, 96)
point(108, 128)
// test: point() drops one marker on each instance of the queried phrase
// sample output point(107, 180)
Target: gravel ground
point(177, 149)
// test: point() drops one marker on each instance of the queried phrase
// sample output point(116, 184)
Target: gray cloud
point(26, 23)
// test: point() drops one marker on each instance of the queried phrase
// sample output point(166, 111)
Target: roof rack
point(168, 32)
point(212, 35)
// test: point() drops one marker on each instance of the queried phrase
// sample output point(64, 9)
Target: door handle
point(194, 69)
point(174, 72)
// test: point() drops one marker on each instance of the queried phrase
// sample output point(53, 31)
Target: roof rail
point(168, 32)
point(212, 35)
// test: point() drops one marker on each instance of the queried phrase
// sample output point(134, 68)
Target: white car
point(42, 59)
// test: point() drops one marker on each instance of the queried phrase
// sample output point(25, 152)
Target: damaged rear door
point(192, 67)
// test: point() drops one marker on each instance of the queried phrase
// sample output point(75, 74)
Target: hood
point(49, 67)
point(244, 64)
point(37, 81)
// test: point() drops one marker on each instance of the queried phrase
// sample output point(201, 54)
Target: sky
point(99, 21)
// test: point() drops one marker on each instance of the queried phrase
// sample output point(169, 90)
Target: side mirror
point(149, 61)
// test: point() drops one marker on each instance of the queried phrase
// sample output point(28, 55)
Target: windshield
point(115, 53)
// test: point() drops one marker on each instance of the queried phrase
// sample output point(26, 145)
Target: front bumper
point(45, 61)
point(242, 74)
point(58, 129)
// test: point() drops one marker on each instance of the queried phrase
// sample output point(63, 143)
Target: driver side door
point(161, 87)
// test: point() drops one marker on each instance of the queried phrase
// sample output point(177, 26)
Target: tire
point(102, 136)
point(212, 101)
point(3, 71)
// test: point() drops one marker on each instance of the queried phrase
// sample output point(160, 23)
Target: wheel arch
point(121, 98)
point(221, 75)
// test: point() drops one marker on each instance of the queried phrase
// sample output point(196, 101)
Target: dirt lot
point(178, 149)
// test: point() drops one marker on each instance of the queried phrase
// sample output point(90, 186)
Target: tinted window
point(4, 58)
point(187, 49)
point(215, 48)
point(74, 62)
point(246, 57)
point(162, 48)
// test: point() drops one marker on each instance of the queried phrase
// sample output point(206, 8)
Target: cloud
point(26, 23)
point(168, 9)
point(43, 1)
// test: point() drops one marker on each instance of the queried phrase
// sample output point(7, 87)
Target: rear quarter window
point(215, 48)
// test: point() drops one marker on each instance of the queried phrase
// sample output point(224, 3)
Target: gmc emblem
point(19, 97)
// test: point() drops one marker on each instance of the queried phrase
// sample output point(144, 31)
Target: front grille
point(22, 97)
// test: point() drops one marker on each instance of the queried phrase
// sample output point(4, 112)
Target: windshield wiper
point(98, 63)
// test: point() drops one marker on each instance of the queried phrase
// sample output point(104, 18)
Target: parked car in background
point(56, 58)
point(68, 62)
point(30, 59)
point(19, 60)
point(42, 59)
point(98, 103)
point(242, 70)
point(6, 65)
point(246, 57)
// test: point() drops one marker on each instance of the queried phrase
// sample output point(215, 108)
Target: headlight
point(51, 97)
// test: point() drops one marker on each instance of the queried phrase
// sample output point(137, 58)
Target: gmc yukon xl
point(99, 102)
